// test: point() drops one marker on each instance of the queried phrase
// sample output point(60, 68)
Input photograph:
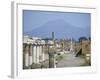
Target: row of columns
point(33, 54)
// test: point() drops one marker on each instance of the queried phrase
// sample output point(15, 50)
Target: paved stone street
point(70, 60)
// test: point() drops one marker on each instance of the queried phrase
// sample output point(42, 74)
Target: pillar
point(37, 55)
point(30, 54)
point(27, 56)
point(43, 56)
point(34, 54)
point(40, 52)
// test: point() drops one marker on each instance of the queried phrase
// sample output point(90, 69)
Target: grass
point(85, 64)
point(59, 57)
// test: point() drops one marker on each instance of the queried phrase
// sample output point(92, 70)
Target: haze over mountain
point(61, 29)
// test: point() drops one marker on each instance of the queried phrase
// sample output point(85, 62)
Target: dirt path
point(70, 61)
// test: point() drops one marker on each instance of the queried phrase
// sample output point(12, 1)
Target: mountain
point(61, 29)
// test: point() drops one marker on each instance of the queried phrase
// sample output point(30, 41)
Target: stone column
point(37, 55)
point(30, 54)
point(34, 53)
point(43, 56)
point(40, 53)
point(27, 56)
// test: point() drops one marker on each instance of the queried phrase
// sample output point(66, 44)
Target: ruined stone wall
point(86, 47)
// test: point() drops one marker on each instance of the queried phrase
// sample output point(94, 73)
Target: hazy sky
point(34, 19)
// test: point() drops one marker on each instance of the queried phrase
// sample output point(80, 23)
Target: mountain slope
point(61, 29)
